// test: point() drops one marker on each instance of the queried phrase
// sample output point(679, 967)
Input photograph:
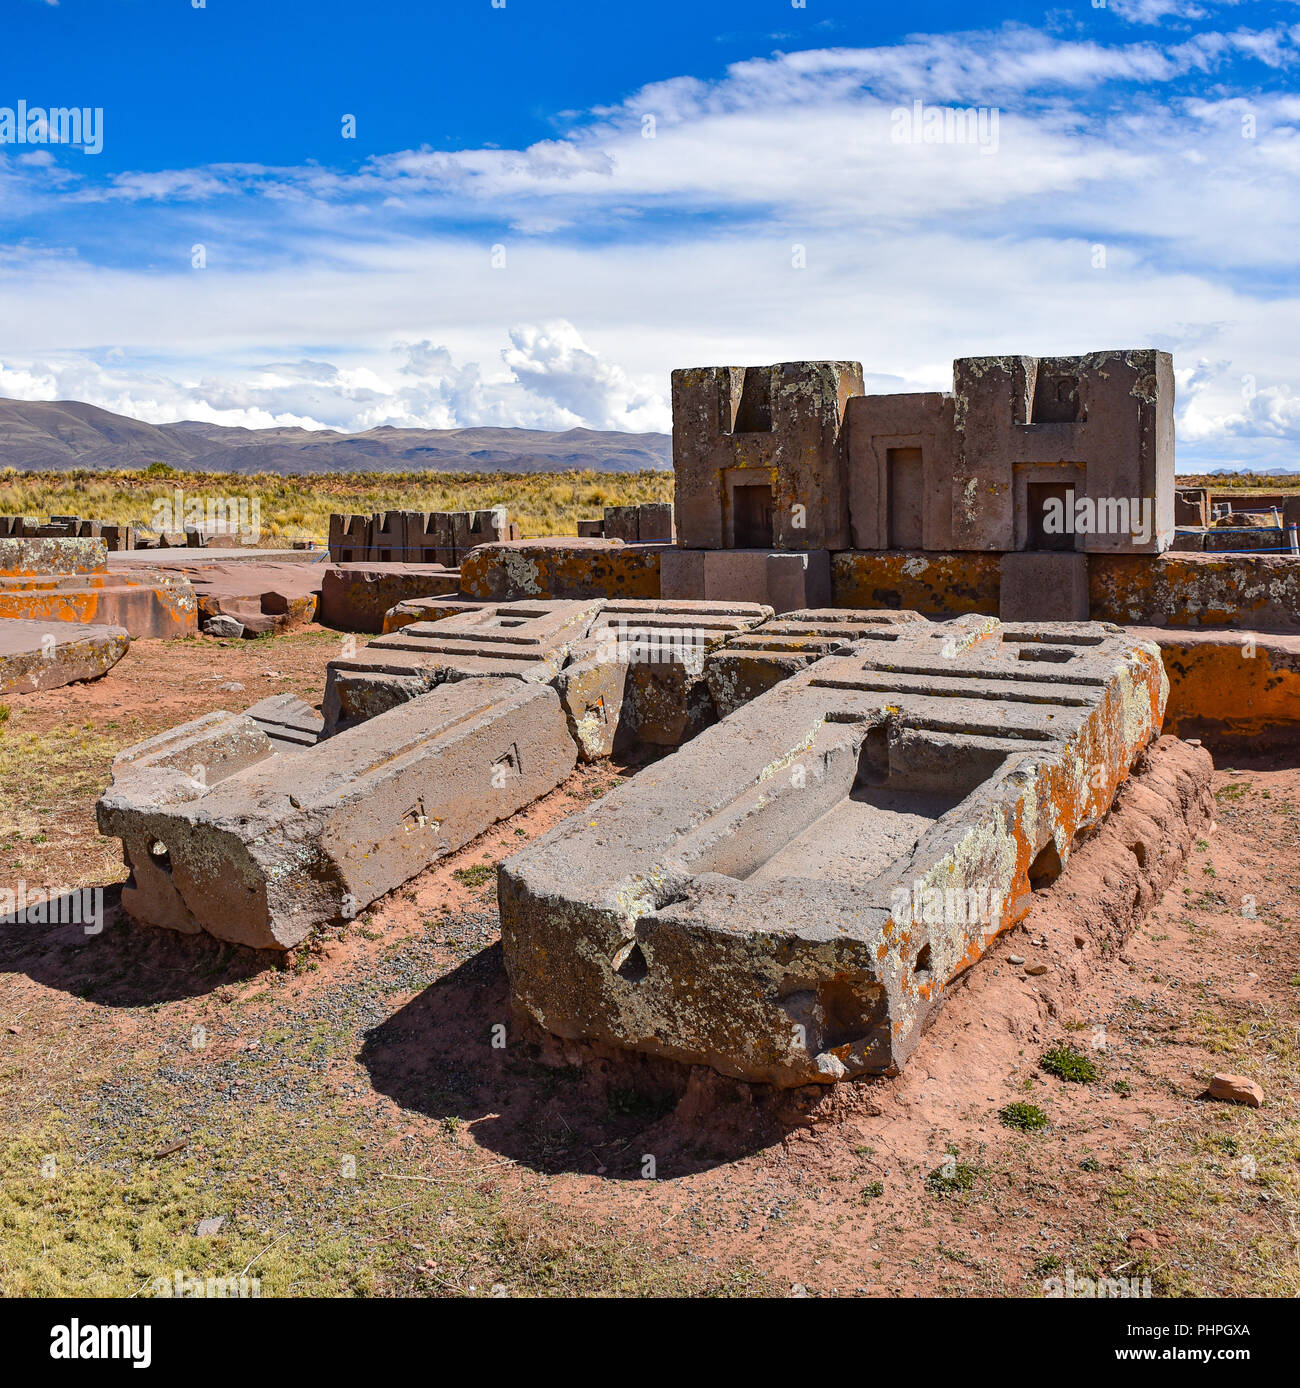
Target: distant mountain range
point(1251, 472)
point(58, 435)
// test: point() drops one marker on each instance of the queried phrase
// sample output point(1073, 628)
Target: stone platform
point(787, 897)
point(186, 558)
point(69, 580)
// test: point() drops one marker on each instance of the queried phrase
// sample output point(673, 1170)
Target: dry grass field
point(299, 507)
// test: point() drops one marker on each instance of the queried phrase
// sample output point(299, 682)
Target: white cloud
point(374, 294)
point(553, 380)
point(553, 362)
point(1155, 11)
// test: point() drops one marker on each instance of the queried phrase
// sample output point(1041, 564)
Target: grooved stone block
point(288, 721)
point(787, 897)
point(527, 641)
point(224, 834)
point(428, 610)
point(639, 676)
point(756, 660)
point(45, 655)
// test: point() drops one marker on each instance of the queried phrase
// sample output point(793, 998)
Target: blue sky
point(548, 205)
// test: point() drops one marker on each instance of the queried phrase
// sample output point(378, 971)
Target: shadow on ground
point(526, 1101)
point(122, 964)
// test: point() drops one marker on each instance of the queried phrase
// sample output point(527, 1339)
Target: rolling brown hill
point(58, 435)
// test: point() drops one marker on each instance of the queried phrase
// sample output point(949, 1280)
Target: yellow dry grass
point(299, 507)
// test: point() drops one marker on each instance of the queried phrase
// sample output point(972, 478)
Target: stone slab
point(289, 722)
point(1238, 691)
point(428, 610)
point(262, 598)
point(44, 558)
point(566, 568)
point(525, 641)
point(1039, 586)
point(46, 655)
point(146, 603)
point(1258, 592)
point(224, 834)
point(356, 597)
point(187, 561)
point(1254, 591)
point(763, 901)
point(935, 585)
point(638, 679)
point(785, 581)
point(753, 662)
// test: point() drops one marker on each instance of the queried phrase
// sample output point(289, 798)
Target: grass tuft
point(1071, 1065)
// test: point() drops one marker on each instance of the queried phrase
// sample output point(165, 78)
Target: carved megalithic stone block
point(788, 896)
point(229, 832)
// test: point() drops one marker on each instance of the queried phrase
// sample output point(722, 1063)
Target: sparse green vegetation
point(477, 876)
point(1027, 1117)
point(951, 1177)
point(1068, 1064)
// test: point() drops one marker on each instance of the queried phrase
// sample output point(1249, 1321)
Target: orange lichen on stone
point(67, 580)
point(935, 585)
point(520, 569)
point(1233, 689)
point(1196, 590)
point(148, 604)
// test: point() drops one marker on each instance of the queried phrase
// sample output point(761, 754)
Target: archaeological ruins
point(887, 660)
